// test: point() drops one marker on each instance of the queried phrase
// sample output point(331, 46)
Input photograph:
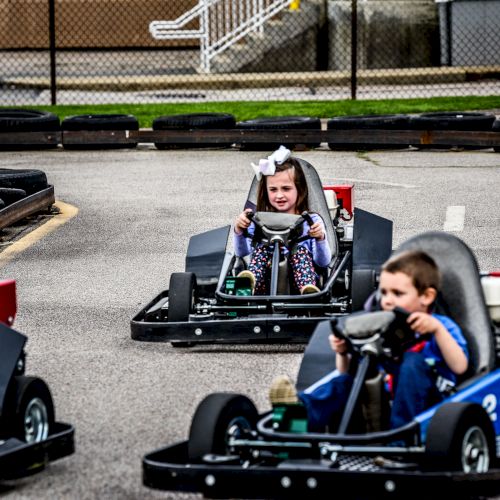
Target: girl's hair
point(419, 266)
point(263, 204)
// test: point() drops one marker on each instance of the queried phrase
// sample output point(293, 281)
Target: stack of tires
point(16, 185)
point(23, 120)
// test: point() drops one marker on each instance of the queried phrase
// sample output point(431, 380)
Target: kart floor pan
point(357, 477)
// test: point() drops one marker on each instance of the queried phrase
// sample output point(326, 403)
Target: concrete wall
point(391, 34)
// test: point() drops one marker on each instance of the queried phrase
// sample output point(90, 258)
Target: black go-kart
point(209, 303)
point(30, 437)
point(450, 449)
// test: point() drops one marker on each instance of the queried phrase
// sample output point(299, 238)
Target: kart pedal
point(387, 463)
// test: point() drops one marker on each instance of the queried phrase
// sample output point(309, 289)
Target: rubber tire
point(24, 120)
point(211, 419)
point(100, 122)
point(203, 121)
point(30, 181)
point(455, 120)
point(24, 389)
point(368, 122)
point(181, 296)
point(496, 128)
point(11, 195)
point(278, 123)
point(446, 431)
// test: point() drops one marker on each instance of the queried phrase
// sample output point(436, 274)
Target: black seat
point(462, 293)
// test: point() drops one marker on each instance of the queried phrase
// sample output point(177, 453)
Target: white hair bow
point(267, 166)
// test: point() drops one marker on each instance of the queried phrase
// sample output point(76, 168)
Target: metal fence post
point(354, 48)
point(52, 50)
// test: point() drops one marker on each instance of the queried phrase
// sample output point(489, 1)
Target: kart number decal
point(490, 405)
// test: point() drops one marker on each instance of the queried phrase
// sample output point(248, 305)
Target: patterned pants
point(301, 264)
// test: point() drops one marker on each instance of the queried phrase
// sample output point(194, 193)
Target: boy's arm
point(342, 356)
point(452, 353)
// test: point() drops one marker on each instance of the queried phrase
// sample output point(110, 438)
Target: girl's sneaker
point(282, 391)
point(248, 274)
point(309, 289)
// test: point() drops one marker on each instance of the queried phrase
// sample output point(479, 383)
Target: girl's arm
point(342, 356)
point(320, 248)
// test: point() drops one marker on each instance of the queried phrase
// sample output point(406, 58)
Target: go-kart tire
point(24, 120)
point(11, 195)
point(32, 415)
point(30, 181)
point(181, 293)
point(278, 123)
point(368, 122)
point(454, 432)
point(496, 128)
point(204, 121)
point(215, 416)
point(100, 122)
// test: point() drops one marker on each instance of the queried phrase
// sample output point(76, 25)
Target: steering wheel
point(381, 332)
point(277, 227)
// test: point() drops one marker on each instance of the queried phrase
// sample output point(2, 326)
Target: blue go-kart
point(450, 449)
point(30, 436)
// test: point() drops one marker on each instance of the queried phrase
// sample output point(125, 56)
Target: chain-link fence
point(105, 51)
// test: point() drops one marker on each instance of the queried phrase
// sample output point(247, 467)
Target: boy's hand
point(242, 222)
point(337, 345)
point(316, 231)
point(423, 323)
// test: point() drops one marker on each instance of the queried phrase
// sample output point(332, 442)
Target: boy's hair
point(419, 266)
point(263, 204)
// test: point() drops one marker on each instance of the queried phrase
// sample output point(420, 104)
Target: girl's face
point(398, 290)
point(282, 192)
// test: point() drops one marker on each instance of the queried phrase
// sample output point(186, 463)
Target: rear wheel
point(218, 418)
point(33, 414)
point(460, 437)
point(181, 294)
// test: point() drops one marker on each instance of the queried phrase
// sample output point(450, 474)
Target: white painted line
point(455, 218)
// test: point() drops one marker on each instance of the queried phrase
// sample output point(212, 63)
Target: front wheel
point(460, 437)
point(181, 294)
point(33, 411)
point(218, 418)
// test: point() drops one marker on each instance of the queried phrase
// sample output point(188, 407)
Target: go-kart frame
point(451, 448)
point(208, 313)
point(30, 437)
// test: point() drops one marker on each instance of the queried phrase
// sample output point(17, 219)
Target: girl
point(282, 188)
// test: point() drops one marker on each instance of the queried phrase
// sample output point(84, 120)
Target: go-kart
point(30, 437)
point(209, 303)
point(451, 448)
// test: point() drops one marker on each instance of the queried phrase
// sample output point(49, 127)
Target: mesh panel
point(106, 51)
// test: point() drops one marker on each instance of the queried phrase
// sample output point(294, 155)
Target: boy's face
point(398, 290)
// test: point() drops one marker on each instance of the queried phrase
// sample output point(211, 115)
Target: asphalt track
point(80, 284)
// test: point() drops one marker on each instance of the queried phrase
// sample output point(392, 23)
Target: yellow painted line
point(66, 212)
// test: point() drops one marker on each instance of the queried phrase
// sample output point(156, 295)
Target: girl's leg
point(302, 265)
point(260, 266)
point(415, 389)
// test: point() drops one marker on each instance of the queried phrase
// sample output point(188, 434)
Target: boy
point(410, 280)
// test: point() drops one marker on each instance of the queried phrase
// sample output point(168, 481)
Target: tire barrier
point(28, 129)
point(466, 121)
point(279, 123)
point(194, 121)
point(23, 193)
point(23, 120)
point(96, 123)
point(368, 122)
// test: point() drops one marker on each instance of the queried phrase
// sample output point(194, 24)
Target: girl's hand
point(316, 231)
point(338, 345)
point(242, 222)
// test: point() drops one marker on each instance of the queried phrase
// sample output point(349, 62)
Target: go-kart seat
point(462, 294)
point(317, 203)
